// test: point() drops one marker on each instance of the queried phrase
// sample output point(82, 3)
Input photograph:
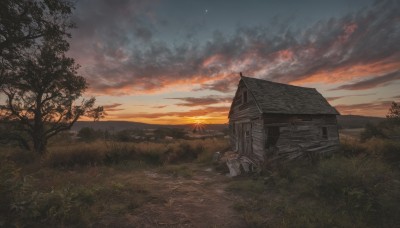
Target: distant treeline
point(130, 135)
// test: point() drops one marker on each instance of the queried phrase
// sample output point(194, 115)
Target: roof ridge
point(275, 97)
point(264, 80)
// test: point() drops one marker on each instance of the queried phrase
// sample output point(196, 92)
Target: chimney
point(241, 74)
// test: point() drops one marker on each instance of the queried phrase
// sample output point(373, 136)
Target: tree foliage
point(24, 22)
point(41, 85)
point(394, 112)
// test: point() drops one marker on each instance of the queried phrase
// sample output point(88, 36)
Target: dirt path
point(197, 201)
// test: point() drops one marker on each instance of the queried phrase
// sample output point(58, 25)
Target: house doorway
point(246, 139)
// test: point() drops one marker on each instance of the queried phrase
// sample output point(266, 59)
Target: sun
point(198, 124)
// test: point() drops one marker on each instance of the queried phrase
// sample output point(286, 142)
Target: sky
point(178, 61)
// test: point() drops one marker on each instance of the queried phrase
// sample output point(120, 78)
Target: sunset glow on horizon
point(178, 62)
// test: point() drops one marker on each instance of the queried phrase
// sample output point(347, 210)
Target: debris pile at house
point(237, 164)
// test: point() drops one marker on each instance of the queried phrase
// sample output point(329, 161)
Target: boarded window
point(244, 97)
point(273, 134)
point(325, 132)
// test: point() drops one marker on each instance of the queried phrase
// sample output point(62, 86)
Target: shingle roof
point(278, 98)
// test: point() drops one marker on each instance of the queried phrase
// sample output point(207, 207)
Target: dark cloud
point(371, 83)
point(339, 49)
point(201, 101)
point(112, 107)
point(159, 106)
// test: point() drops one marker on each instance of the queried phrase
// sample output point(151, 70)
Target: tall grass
point(359, 189)
point(154, 153)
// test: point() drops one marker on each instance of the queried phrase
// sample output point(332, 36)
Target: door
point(247, 139)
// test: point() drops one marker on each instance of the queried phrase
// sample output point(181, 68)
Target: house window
point(324, 132)
point(272, 134)
point(244, 97)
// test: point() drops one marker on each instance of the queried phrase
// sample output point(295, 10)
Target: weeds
point(342, 192)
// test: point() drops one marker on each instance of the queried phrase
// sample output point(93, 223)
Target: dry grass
point(156, 153)
point(359, 189)
point(75, 185)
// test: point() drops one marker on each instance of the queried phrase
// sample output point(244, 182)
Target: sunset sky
point(178, 61)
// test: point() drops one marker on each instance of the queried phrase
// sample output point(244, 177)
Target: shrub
point(371, 131)
point(10, 183)
point(65, 207)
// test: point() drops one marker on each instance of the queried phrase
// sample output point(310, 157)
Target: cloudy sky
point(178, 61)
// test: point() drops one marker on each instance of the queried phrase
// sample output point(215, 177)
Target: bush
point(10, 183)
point(65, 207)
point(88, 134)
point(371, 131)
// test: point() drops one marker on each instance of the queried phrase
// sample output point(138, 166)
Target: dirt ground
point(196, 201)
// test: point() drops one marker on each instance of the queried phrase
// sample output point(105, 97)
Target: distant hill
point(345, 121)
point(110, 125)
point(124, 125)
point(352, 121)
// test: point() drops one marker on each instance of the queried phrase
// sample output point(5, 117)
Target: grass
point(357, 188)
point(154, 153)
point(177, 171)
point(74, 185)
point(98, 183)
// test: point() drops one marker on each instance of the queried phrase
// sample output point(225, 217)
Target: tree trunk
point(39, 139)
point(39, 144)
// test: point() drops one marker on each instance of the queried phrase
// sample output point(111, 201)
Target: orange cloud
point(347, 73)
point(366, 109)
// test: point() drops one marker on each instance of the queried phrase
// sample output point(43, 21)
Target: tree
point(24, 22)
point(89, 134)
point(44, 93)
point(394, 113)
point(42, 87)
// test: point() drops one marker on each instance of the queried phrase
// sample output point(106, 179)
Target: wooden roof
point(278, 98)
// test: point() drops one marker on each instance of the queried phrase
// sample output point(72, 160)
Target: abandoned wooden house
point(270, 121)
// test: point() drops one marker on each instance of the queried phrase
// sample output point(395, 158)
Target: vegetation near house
point(394, 113)
point(387, 129)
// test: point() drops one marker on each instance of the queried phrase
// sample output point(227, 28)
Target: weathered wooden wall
point(301, 136)
point(242, 113)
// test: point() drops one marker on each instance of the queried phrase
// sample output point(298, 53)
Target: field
point(175, 184)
